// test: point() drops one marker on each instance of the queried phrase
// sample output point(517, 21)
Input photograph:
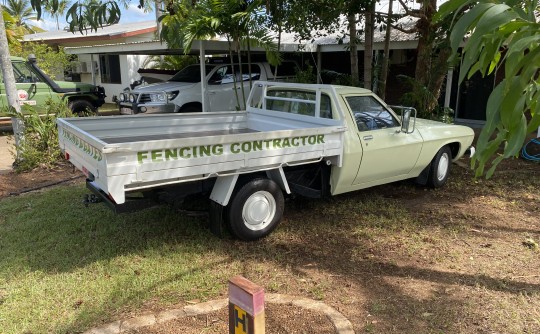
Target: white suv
point(182, 93)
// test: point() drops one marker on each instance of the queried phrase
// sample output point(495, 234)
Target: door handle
point(370, 137)
point(211, 93)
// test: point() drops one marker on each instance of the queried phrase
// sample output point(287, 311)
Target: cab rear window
point(298, 102)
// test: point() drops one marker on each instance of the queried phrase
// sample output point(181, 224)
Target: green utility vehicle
point(34, 88)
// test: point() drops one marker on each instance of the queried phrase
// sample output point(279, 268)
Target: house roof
point(105, 33)
point(323, 37)
point(113, 39)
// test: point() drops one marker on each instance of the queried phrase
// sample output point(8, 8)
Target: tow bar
point(91, 198)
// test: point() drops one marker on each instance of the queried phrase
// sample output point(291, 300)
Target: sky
point(132, 14)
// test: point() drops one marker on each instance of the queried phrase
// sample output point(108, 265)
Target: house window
point(109, 67)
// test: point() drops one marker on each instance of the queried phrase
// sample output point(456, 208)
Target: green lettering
point(217, 149)
point(304, 140)
point(141, 156)
point(183, 155)
point(286, 143)
point(294, 141)
point(257, 145)
point(267, 142)
point(205, 150)
point(246, 147)
point(235, 148)
point(320, 139)
point(171, 154)
point(312, 140)
point(156, 156)
point(276, 143)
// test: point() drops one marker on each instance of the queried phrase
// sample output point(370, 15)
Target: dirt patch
point(278, 318)
point(13, 183)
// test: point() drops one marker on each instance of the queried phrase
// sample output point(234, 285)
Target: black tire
point(81, 107)
point(255, 209)
point(439, 168)
point(191, 108)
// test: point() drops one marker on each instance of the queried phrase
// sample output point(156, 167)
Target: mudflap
point(422, 179)
point(216, 218)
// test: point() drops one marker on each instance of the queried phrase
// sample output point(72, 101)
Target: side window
point(218, 75)
point(109, 66)
point(23, 74)
point(288, 101)
point(370, 114)
point(224, 75)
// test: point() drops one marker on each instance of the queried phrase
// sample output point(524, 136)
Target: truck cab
point(34, 87)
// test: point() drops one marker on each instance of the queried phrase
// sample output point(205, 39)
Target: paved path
point(6, 158)
point(341, 324)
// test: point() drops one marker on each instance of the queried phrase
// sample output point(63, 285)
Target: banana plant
point(500, 33)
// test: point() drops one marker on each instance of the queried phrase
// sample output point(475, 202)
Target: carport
point(199, 48)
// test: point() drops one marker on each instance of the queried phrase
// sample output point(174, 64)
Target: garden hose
point(526, 154)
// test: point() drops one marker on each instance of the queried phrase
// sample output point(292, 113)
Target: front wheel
point(81, 107)
point(440, 168)
point(255, 209)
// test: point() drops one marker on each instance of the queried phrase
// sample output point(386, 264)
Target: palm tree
point(169, 62)
point(233, 19)
point(22, 12)
point(13, 33)
point(60, 10)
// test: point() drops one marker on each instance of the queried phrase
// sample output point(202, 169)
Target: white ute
point(310, 140)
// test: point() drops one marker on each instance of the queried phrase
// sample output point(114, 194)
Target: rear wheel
point(81, 107)
point(191, 108)
point(255, 209)
point(440, 168)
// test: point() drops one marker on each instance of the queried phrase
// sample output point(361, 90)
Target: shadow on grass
point(53, 233)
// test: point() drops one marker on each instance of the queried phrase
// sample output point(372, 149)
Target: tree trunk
point(425, 42)
point(9, 83)
point(431, 64)
point(368, 46)
point(384, 70)
point(355, 75)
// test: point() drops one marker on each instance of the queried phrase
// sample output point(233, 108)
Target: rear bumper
point(131, 205)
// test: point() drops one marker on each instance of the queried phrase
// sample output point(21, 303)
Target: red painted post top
point(247, 295)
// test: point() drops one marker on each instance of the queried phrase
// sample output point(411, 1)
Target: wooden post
point(246, 307)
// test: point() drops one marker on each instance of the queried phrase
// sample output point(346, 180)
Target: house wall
point(129, 64)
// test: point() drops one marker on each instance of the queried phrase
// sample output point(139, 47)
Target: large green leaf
point(465, 22)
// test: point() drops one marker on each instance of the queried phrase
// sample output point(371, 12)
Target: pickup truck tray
point(122, 154)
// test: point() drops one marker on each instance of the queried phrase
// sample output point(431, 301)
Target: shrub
point(39, 141)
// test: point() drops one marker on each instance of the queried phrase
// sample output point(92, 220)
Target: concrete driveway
point(6, 158)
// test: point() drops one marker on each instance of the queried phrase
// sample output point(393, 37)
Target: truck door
point(30, 87)
point(387, 152)
point(221, 88)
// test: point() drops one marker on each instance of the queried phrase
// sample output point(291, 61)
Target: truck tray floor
point(132, 139)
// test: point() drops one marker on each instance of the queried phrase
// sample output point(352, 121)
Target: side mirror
point(406, 115)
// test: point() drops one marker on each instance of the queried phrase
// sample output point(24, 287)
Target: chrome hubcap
point(259, 210)
point(442, 169)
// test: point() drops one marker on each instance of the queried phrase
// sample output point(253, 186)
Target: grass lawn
point(396, 258)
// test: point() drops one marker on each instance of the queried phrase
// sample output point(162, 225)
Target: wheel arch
point(454, 149)
point(188, 105)
point(226, 185)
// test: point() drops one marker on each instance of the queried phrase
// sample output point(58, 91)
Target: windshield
point(23, 73)
point(191, 74)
